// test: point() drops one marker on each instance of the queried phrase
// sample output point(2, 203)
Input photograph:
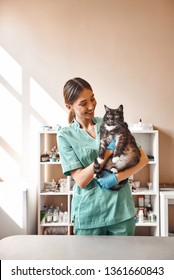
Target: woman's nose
point(91, 106)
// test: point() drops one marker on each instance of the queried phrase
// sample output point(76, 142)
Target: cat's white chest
point(110, 127)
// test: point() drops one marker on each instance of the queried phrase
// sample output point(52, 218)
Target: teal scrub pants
point(126, 228)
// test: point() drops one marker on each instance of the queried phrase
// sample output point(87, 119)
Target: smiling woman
point(73, 96)
point(96, 210)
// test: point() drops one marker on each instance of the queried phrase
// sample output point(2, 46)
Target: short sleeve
point(68, 157)
point(138, 145)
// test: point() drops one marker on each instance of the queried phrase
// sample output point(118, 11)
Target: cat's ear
point(120, 108)
point(106, 108)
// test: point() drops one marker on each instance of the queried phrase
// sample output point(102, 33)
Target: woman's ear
point(68, 106)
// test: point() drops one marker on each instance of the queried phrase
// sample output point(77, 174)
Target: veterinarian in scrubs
point(96, 210)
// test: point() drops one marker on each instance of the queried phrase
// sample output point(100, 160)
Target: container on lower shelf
point(63, 230)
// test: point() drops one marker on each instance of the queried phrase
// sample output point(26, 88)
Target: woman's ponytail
point(71, 116)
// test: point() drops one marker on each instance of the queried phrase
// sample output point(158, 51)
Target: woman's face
point(84, 105)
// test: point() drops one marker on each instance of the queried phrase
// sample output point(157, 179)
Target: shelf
point(144, 192)
point(53, 193)
point(152, 162)
point(54, 224)
point(48, 132)
point(146, 224)
point(50, 162)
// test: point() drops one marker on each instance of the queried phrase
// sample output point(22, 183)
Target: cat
point(126, 153)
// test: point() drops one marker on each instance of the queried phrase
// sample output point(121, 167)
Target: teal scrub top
point(92, 206)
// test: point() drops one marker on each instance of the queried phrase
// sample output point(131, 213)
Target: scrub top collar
point(76, 124)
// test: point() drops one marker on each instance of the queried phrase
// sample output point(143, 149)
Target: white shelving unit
point(149, 141)
point(53, 170)
point(49, 171)
point(166, 199)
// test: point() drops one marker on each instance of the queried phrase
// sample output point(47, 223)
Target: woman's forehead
point(86, 94)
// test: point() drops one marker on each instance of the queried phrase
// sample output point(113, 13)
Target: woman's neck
point(88, 126)
point(85, 123)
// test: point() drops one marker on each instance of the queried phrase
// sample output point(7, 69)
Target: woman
point(96, 210)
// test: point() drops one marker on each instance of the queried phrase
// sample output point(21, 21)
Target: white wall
point(123, 48)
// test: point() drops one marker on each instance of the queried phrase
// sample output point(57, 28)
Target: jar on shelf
point(147, 200)
point(65, 217)
point(45, 157)
point(141, 200)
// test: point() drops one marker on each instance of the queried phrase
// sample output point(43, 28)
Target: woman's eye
point(83, 104)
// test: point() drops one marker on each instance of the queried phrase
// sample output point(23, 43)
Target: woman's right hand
point(111, 145)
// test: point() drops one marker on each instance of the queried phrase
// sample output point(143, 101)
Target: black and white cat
point(126, 153)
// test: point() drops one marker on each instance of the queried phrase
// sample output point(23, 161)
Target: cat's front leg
point(97, 171)
point(115, 157)
point(102, 149)
point(118, 148)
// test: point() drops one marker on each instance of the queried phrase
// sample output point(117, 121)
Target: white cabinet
point(51, 196)
point(149, 141)
point(166, 199)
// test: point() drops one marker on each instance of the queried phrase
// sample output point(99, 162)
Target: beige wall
point(123, 48)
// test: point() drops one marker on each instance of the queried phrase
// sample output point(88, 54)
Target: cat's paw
point(99, 160)
point(114, 170)
point(115, 159)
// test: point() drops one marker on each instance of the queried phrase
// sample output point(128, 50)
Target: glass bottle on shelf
point(56, 215)
point(49, 215)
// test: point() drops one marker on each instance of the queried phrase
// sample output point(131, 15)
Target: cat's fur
point(126, 153)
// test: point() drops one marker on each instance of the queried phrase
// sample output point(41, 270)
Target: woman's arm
point(83, 176)
point(122, 175)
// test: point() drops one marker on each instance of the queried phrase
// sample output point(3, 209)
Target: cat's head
point(113, 116)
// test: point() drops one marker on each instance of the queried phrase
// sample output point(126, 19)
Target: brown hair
point(71, 92)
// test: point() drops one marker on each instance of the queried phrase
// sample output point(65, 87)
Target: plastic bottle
point(43, 214)
point(140, 123)
point(61, 213)
point(140, 216)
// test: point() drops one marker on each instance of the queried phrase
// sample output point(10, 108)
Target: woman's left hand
point(108, 180)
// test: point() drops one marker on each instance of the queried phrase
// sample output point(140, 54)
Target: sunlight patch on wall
point(9, 167)
point(10, 70)
point(11, 120)
point(46, 106)
point(34, 153)
point(15, 207)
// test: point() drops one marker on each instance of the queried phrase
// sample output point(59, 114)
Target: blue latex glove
point(108, 180)
point(111, 145)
